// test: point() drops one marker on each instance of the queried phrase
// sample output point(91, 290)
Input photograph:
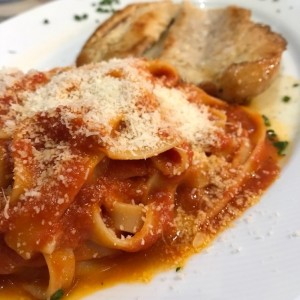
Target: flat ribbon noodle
point(61, 266)
point(35, 224)
point(158, 215)
point(79, 185)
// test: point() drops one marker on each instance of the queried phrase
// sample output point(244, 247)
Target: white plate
point(259, 257)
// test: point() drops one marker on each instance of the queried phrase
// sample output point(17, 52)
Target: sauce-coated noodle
point(107, 163)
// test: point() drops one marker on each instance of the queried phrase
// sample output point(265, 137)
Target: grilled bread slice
point(129, 32)
point(221, 50)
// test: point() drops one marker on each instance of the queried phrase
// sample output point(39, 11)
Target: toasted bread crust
point(230, 52)
point(129, 32)
point(248, 78)
point(221, 50)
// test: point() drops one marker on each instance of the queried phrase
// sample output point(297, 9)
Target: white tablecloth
point(10, 8)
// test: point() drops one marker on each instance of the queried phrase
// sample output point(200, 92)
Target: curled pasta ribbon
point(25, 177)
point(174, 161)
point(105, 236)
point(5, 164)
point(90, 250)
point(163, 146)
point(164, 71)
point(61, 266)
point(146, 225)
point(248, 157)
point(43, 207)
point(127, 217)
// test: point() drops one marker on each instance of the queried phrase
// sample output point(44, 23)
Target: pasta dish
point(117, 162)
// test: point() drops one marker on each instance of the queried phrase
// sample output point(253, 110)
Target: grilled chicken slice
point(221, 50)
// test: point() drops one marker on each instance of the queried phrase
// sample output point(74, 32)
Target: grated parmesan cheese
point(154, 116)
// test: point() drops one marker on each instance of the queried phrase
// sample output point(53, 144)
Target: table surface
point(10, 8)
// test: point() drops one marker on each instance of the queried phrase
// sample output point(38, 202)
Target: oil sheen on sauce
point(282, 113)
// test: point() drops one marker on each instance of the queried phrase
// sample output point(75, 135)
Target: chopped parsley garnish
point(46, 21)
point(80, 17)
point(109, 2)
point(266, 120)
point(57, 295)
point(103, 10)
point(280, 145)
point(106, 6)
point(295, 84)
point(271, 134)
point(178, 269)
point(286, 98)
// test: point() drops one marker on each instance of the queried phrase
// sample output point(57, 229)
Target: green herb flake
point(286, 98)
point(281, 147)
point(295, 84)
point(105, 2)
point(266, 120)
point(57, 295)
point(46, 21)
point(80, 17)
point(106, 6)
point(109, 2)
point(271, 134)
point(178, 269)
point(103, 10)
